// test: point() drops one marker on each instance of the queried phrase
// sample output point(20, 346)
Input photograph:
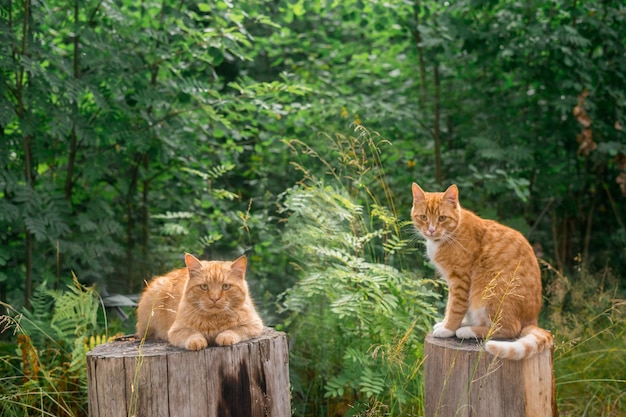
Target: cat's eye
point(423, 217)
point(442, 218)
point(225, 287)
point(204, 287)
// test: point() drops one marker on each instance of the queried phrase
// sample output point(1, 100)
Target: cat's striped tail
point(532, 340)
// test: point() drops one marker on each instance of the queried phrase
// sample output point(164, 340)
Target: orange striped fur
point(207, 302)
point(494, 280)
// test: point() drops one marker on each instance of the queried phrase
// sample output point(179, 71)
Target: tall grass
point(43, 370)
point(589, 321)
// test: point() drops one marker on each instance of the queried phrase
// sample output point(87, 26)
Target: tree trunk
point(436, 128)
point(417, 36)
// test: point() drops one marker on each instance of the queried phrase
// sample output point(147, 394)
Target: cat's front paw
point(227, 338)
point(196, 342)
point(442, 332)
point(466, 332)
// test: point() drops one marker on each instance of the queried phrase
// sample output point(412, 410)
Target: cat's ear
point(418, 194)
point(193, 264)
point(238, 267)
point(452, 195)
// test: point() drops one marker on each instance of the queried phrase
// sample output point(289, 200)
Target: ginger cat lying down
point(205, 303)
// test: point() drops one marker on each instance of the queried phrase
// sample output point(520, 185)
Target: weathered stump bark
point(463, 380)
point(249, 379)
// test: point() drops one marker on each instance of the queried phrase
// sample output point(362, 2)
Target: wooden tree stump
point(463, 380)
point(249, 379)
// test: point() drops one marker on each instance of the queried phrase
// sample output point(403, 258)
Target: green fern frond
point(210, 239)
point(396, 244)
point(36, 322)
point(212, 173)
point(75, 311)
point(174, 215)
point(174, 229)
point(222, 194)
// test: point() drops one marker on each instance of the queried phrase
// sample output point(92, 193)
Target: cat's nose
point(431, 229)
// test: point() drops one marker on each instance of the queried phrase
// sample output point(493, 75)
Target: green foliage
point(357, 321)
point(131, 133)
point(205, 221)
point(44, 372)
point(476, 93)
point(590, 378)
point(111, 112)
point(590, 330)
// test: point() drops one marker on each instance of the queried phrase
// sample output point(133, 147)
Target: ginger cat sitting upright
point(494, 280)
point(207, 302)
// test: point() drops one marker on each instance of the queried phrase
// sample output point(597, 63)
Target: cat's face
point(216, 285)
point(436, 215)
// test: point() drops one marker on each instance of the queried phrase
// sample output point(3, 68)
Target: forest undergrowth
point(362, 302)
point(131, 133)
point(587, 315)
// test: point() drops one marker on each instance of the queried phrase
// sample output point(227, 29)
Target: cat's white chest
point(431, 250)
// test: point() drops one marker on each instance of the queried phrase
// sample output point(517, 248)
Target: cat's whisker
point(453, 239)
